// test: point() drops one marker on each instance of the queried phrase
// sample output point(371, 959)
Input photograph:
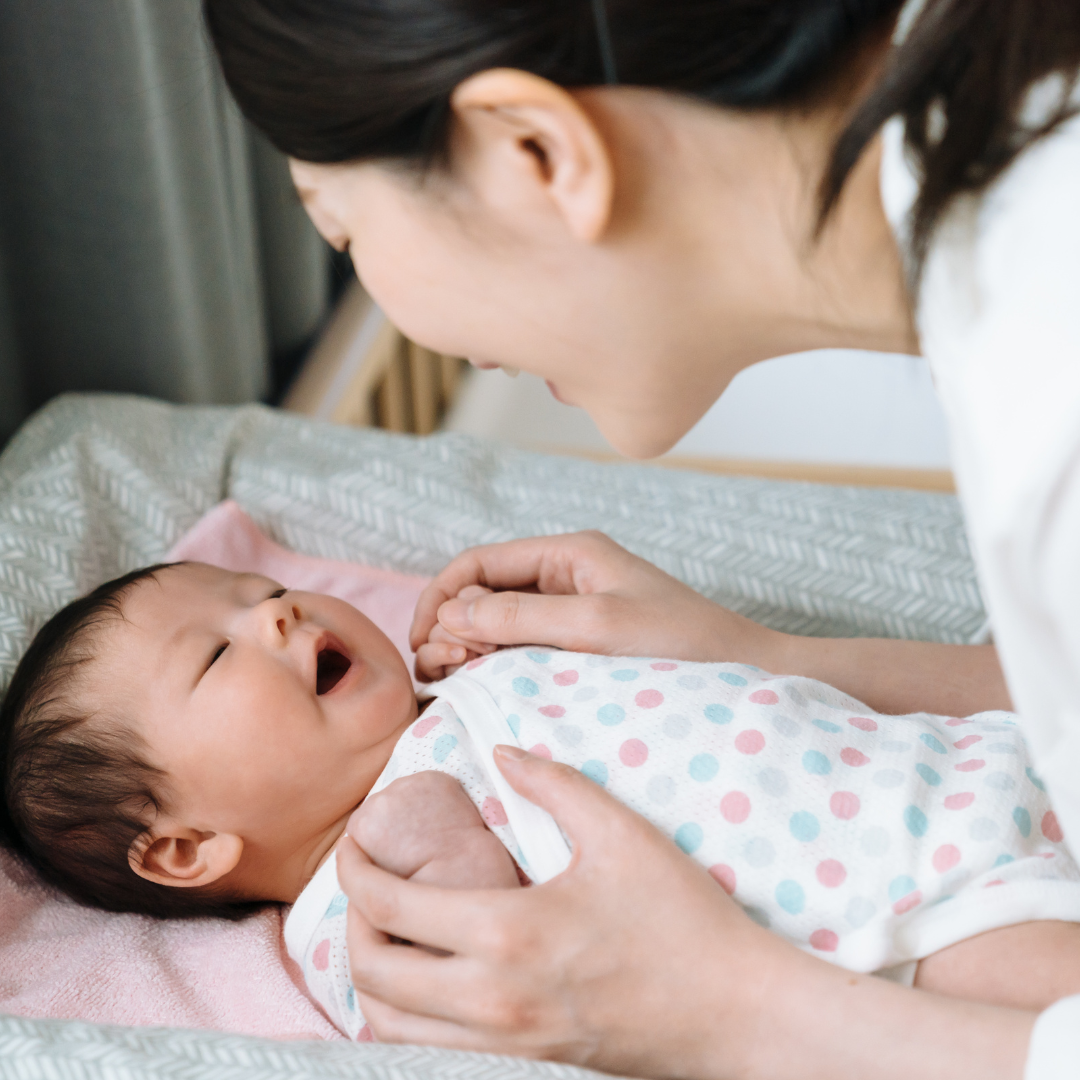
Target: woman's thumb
point(512, 618)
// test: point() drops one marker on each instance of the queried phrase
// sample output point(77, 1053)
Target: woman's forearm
point(895, 676)
point(841, 1026)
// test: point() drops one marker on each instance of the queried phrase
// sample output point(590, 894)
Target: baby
point(189, 741)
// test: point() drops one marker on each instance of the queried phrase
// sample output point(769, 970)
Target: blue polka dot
point(827, 725)
point(515, 724)
point(915, 820)
point(703, 767)
point(900, 887)
point(595, 770)
point(350, 998)
point(928, 774)
point(790, 896)
point(1034, 779)
point(525, 687)
point(443, 745)
point(1002, 859)
point(337, 906)
point(804, 826)
point(718, 714)
point(731, 679)
point(689, 837)
point(611, 714)
point(816, 763)
point(625, 674)
point(538, 657)
point(1023, 821)
point(935, 744)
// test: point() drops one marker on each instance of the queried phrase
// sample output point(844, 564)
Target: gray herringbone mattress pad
point(97, 485)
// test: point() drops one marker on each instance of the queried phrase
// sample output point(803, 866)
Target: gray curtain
point(149, 241)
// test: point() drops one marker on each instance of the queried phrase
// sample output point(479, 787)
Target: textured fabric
point(1055, 1043)
point(1000, 325)
point(867, 840)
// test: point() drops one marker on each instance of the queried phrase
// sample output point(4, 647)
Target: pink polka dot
point(855, 758)
point(996, 881)
point(863, 723)
point(764, 697)
point(663, 665)
point(966, 741)
point(472, 665)
point(906, 903)
point(493, 811)
point(750, 742)
point(540, 750)
point(844, 804)
point(554, 711)
point(565, 678)
point(956, 721)
point(960, 801)
point(1050, 827)
point(974, 765)
point(633, 753)
point(424, 725)
point(735, 807)
point(649, 699)
point(831, 873)
point(946, 857)
point(824, 940)
point(365, 1034)
point(725, 876)
point(321, 956)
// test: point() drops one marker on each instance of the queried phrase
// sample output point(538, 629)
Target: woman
point(637, 201)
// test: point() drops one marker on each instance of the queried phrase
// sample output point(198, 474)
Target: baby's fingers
point(436, 660)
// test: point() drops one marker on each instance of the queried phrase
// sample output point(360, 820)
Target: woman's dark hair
point(349, 80)
point(75, 790)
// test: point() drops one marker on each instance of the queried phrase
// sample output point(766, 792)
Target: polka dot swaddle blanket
point(865, 839)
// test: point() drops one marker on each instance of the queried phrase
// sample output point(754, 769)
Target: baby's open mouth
point(331, 666)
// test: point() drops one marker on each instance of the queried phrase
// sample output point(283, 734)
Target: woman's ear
point(184, 857)
point(528, 131)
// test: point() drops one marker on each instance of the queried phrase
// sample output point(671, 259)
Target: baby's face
point(271, 712)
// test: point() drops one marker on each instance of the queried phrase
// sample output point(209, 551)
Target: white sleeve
point(1054, 1051)
point(999, 320)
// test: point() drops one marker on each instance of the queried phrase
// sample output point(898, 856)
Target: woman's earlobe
point(185, 858)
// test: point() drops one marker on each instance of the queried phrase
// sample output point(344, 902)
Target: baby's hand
point(425, 828)
point(442, 654)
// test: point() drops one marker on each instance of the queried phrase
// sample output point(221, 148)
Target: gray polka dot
point(1002, 748)
point(661, 789)
point(773, 781)
point(504, 663)
point(759, 916)
point(678, 727)
point(598, 661)
point(569, 734)
point(895, 746)
point(889, 778)
point(1002, 781)
point(786, 726)
point(875, 841)
point(796, 696)
point(586, 693)
point(983, 828)
point(859, 911)
point(759, 852)
point(691, 682)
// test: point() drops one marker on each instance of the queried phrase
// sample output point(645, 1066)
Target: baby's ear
point(184, 857)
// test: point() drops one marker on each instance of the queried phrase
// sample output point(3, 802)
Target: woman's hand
point(634, 960)
point(581, 592)
point(601, 966)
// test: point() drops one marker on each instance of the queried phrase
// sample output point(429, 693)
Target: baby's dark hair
point(75, 789)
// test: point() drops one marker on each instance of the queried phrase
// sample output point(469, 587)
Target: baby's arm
point(425, 828)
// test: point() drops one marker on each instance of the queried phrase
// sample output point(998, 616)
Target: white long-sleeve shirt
point(998, 317)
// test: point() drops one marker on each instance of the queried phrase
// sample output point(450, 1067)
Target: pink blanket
point(58, 959)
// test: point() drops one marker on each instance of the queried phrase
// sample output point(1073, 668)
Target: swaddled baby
point(189, 741)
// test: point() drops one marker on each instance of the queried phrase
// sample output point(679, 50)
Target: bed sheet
point(95, 485)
